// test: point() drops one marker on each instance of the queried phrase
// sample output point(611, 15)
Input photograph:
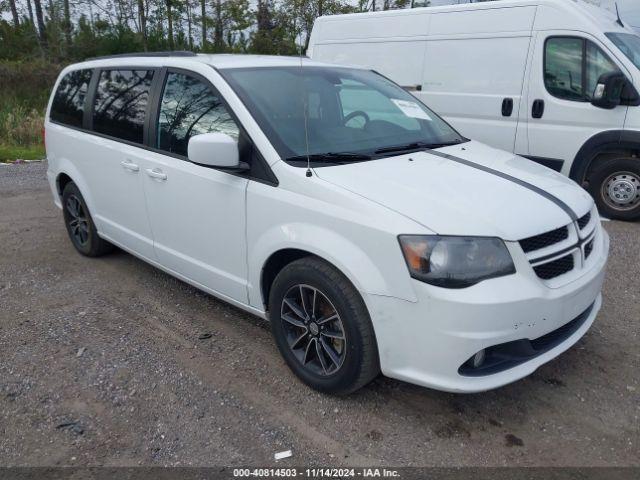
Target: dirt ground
point(101, 364)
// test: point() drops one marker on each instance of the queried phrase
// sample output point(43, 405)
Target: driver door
point(565, 70)
point(197, 213)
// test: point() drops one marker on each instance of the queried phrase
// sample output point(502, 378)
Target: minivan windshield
point(352, 115)
point(629, 44)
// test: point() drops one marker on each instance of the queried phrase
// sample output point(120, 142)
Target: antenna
point(618, 21)
point(304, 113)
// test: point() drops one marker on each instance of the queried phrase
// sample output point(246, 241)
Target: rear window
point(121, 103)
point(68, 103)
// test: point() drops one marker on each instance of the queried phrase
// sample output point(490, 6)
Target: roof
point(217, 60)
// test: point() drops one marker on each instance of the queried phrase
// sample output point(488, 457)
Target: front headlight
point(455, 262)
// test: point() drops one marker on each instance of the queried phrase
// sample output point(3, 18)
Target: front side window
point(336, 110)
point(190, 107)
point(121, 102)
point(68, 102)
point(572, 67)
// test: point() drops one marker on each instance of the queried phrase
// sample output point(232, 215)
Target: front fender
point(356, 264)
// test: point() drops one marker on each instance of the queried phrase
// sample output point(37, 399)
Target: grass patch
point(9, 153)
point(24, 90)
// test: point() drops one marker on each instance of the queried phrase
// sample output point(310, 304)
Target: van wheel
point(322, 327)
point(615, 186)
point(80, 227)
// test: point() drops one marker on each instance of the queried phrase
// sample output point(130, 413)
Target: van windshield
point(352, 115)
point(629, 44)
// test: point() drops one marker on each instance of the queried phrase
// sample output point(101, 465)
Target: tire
point(80, 227)
point(349, 363)
point(617, 177)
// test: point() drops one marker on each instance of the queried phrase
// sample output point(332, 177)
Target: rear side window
point(121, 103)
point(68, 102)
point(190, 107)
point(572, 67)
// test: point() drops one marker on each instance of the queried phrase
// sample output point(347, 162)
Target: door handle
point(507, 107)
point(537, 110)
point(129, 165)
point(156, 173)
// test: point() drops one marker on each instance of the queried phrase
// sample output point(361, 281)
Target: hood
point(452, 198)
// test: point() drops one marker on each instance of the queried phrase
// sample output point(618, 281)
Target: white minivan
point(525, 76)
point(327, 199)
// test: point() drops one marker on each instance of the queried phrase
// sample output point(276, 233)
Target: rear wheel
point(80, 227)
point(615, 186)
point(322, 327)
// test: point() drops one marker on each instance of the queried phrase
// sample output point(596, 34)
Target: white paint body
point(216, 230)
point(468, 58)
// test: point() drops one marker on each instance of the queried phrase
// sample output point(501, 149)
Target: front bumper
point(427, 342)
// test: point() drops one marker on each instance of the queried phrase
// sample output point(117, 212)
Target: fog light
point(478, 358)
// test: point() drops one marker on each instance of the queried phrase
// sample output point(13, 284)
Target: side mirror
point(608, 91)
point(215, 150)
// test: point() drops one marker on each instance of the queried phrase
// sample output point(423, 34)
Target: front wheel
point(322, 327)
point(615, 186)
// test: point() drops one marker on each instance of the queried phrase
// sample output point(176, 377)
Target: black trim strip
point(515, 180)
point(552, 163)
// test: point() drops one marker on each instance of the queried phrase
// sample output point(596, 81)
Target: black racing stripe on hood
point(516, 180)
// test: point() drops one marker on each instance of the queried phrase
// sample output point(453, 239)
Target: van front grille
point(558, 252)
point(554, 269)
point(588, 248)
point(544, 239)
point(584, 220)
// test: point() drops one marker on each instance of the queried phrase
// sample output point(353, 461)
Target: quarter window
point(121, 103)
point(190, 107)
point(572, 67)
point(68, 102)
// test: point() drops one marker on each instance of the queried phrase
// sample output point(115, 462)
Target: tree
point(142, 22)
point(42, 35)
point(170, 23)
point(30, 9)
point(14, 13)
point(67, 24)
point(203, 13)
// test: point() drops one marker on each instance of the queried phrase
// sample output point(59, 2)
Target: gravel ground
point(101, 364)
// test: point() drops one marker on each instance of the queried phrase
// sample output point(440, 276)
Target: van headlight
point(455, 262)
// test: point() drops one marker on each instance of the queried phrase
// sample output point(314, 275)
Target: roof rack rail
point(176, 53)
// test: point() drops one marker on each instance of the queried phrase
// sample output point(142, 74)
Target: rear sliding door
point(119, 108)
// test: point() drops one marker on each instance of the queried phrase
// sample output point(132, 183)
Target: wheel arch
point(282, 245)
point(603, 146)
point(67, 172)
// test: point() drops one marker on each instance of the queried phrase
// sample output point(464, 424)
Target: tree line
point(65, 30)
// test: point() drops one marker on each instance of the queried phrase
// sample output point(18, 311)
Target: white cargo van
point(553, 80)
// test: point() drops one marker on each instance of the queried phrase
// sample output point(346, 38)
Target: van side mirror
point(215, 149)
point(608, 91)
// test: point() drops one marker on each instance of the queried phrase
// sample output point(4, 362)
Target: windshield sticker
point(411, 109)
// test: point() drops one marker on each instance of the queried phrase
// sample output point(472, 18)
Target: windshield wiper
point(331, 157)
point(416, 146)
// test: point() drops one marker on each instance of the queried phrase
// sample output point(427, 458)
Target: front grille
point(554, 269)
point(544, 239)
point(584, 220)
point(588, 248)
